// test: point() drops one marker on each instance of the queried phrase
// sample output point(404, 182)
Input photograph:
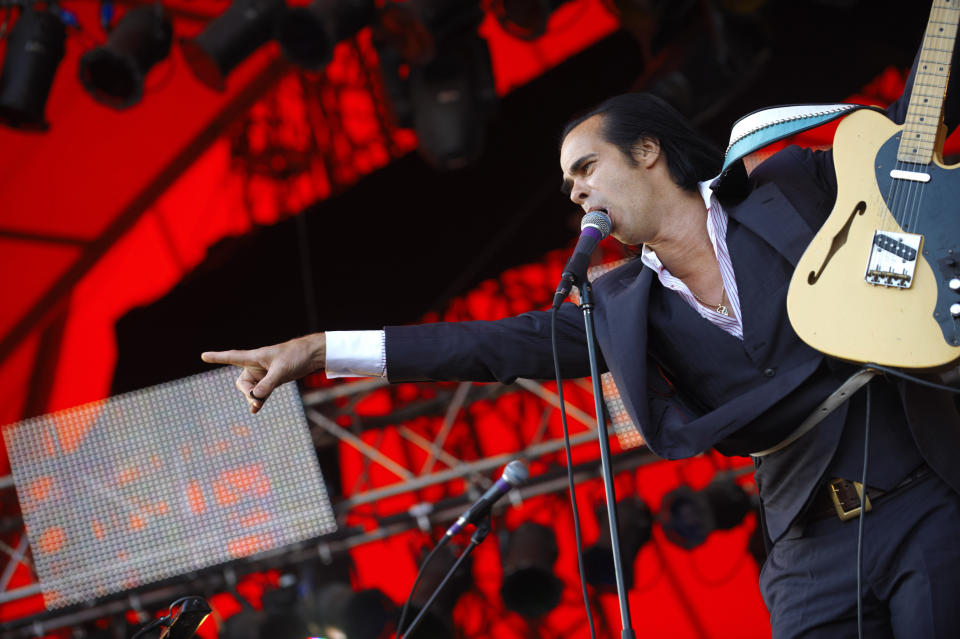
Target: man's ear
point(646, 151)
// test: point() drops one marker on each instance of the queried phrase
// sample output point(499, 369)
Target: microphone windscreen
point(598, 220)
point(516, 473)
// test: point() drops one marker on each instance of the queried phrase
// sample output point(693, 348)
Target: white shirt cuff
point(356, 354)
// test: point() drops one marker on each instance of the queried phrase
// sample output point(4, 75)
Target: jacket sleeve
point(501, 350)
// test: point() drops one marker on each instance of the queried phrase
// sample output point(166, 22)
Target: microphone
point(515, 474)
point(593, 228)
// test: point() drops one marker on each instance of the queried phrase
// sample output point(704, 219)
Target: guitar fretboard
point(930, 84)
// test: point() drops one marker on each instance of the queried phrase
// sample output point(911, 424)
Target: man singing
point(705, 302)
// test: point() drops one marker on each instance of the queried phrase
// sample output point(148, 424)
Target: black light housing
point(308, 34)
point(688, 517)
point(114, 73)
point(35, 47)
point(230, 39)
point(341, 611)
point(524, 19)
point(437, 623)
point(453, 96)
point(416, 28)
point(530, 586)
point(635, 525)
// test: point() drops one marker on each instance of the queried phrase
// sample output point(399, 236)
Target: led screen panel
point(162, 482)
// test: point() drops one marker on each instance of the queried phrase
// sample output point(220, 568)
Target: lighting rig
point(434, 63)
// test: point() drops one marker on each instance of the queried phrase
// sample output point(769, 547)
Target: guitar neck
point(925, 110)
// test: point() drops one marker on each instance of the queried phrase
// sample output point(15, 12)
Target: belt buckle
point(843, 499)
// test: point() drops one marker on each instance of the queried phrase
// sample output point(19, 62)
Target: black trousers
point(911, 570)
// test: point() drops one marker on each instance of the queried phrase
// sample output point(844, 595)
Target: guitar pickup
point(893, 243)
point(893, 259)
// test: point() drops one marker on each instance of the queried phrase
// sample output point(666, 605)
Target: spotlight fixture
point(339, 611)
point(113, 74)
point(437, 623)
point(524, 19)
point(308, 34)
point(452, 97)
point(530, 587)
point(35, 47)
point(688, 517)
point(416, 28)
point(230, 39)
point(634, 523)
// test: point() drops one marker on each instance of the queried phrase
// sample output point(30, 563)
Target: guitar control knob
point(955, 310)
point(954, 284)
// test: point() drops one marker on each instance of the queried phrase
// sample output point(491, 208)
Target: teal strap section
point(760, 128)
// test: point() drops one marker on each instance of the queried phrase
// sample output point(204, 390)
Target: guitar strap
point(760, 128)
point(827, 406)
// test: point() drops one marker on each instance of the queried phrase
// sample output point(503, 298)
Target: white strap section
point(830, 404)
point(764, 118)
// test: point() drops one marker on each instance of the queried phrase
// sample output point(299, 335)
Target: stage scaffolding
point(326, 409)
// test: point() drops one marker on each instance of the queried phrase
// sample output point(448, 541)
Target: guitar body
point(831, 305)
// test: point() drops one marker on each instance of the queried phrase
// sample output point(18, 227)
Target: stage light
point(416, 28)
point(245, 624)
point(114, 73)
point(452, 97)
point(634, 522)
point(308, 34)
point(230, 39)
point(341, 613)
point(524, 19)
point(688, 517)
point(445, 89)
point(438, 622)
point(35, 47)
point(529, 585)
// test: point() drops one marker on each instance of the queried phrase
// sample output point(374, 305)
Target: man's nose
point(579, 194)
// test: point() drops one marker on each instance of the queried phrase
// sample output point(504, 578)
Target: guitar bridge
point(893, 259)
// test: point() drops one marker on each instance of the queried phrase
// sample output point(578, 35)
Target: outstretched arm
point(264, 369)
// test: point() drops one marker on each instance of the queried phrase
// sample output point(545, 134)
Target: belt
point(841, 498)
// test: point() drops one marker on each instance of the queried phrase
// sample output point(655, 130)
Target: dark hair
point(629, 118)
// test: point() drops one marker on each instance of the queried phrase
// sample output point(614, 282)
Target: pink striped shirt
point(717, 230)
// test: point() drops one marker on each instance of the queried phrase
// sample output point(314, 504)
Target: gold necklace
point(720, 308)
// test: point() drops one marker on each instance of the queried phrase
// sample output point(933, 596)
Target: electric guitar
point(880, 282)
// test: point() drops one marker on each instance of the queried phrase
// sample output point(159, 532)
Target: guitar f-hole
point(838, 241)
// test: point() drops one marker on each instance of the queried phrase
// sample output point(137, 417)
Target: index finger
point(234, 357)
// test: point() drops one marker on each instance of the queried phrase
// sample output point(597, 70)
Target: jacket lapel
point(769, 214)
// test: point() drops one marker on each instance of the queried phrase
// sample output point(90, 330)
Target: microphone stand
point(586, 305)
point(483, 528)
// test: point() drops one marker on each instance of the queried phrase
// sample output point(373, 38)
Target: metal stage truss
point(335, 416)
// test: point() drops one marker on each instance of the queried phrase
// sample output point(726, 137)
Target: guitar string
point(912, 220)
point(942, 64)
point(912, 209)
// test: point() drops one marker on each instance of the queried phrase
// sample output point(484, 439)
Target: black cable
point(483, 529)
point(863, 478)
point(911, 378)
point(863, 510)
point(566, 448)
point(416, 583)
